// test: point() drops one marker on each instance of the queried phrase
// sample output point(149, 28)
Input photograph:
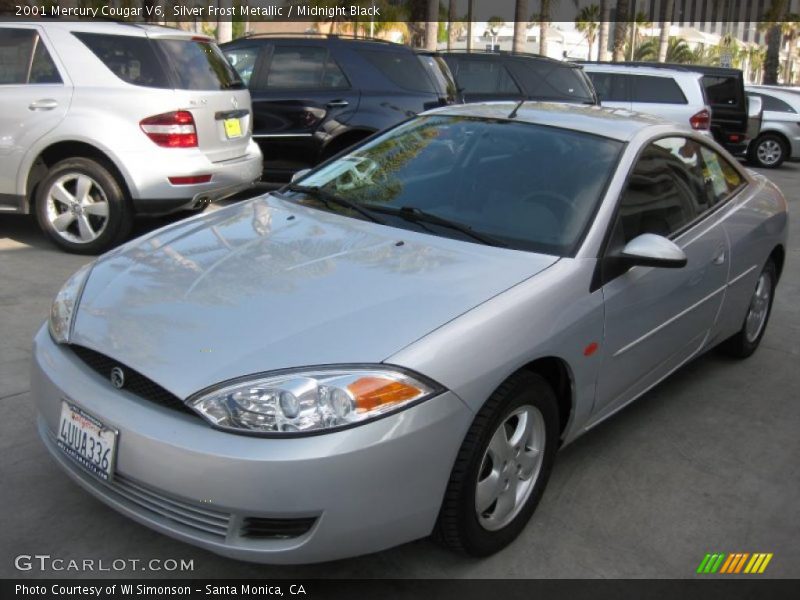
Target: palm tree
point(647, 51)
point(587, 22)
point(755, 61)
point(520, 25)
point(431, 24)
point(666, 23)
point(771, 25)
point(678, 51)
point(790, 28)
point(602, 34)
point(544, 21)
point(639, 22)
point(620, 30)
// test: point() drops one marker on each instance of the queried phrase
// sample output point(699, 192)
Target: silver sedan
point(398, 343)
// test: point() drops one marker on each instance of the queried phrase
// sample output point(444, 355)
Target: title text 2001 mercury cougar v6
point(397, 343)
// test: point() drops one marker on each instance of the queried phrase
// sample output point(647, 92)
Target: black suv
point(729, 104)
point(484, 76)
point(315, 95)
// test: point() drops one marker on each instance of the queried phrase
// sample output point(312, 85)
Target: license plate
point(233, 128)
point(87, 441)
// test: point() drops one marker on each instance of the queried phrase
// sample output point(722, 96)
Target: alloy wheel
point(759, 308)
point(510, 467)
point(769, 152)
point(77, 208)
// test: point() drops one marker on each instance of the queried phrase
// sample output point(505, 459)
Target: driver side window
point(660, 196)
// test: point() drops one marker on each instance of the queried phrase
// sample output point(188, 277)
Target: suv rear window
point(664, 90)
point(547, 81)
point(199, 65)
point(166, 64)
point(440, 73)
point(721, 90)
point(485, 77)
point(402, 68)
point(132, 59)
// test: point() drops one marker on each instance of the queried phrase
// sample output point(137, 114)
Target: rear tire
point(768, 151)
point(501, 471)
point(744, 342)
point(82, 207)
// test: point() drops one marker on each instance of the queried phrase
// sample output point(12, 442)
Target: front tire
point(502, 467)
point(768, 151)
point(82, 207)
point(744, 342)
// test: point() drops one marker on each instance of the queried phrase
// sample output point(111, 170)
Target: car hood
point(270, 284)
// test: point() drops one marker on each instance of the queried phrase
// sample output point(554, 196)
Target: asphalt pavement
point(708, 461)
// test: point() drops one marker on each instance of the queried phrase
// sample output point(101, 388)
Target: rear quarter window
point(402, 68)
point(774, 104)
point(16, 46)
point(610, 87)
point(651, 89)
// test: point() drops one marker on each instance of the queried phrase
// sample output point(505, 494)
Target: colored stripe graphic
point(764, 564)
point(703, 563)
point(741, 562)
point(734, 563)
point(727, 564)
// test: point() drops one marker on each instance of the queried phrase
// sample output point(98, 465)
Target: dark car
point(729, 104)
point(485, 76)
point(315, 95)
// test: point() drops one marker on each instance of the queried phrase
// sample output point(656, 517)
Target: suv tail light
point(171, 130)
point(701, 121)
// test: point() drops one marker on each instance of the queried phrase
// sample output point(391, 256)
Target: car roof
point(494, 54)
point(319, 38)
point(618, 124)
point(639, 70)
point(114, 28)
point(704, 69)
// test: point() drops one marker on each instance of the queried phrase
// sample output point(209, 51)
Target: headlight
point(65, 303)
point(309, 401)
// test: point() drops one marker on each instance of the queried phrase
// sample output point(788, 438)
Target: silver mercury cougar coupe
point(397, 343)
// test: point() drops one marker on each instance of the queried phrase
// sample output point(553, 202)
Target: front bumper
point(366, 488)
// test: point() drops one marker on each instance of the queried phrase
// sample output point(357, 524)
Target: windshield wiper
point(328, 199)
point(417, 215)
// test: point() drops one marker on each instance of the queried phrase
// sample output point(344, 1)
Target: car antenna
point(513, 113)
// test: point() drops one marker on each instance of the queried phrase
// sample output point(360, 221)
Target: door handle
point(337, 104)
point(44, 104)
point(719, 258)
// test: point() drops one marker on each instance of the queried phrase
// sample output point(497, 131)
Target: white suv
point(677, 96)
point(101, 121)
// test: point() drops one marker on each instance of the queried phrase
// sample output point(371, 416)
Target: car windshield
point(507, 183)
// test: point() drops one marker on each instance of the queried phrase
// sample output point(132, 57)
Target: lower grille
point(209, 521)
point(275, 529)
point(135, 382)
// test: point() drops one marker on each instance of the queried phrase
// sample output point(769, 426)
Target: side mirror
point(651, 250)
point(299, 174)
